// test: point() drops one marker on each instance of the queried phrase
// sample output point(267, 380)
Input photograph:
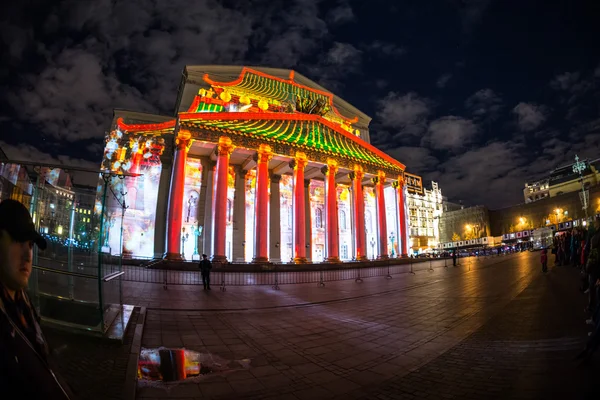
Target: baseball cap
point(16, 220)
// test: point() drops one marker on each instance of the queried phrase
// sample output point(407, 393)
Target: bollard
point(165, 279)
point(276, 285)
point(445, 263)
point(358, 279)
point(321, 278)
point(430, 267)
point(411, 268)
point(223, 288)
point(388, 276)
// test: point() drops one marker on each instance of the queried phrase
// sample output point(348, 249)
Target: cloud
point(494, 169)
point(572, 85)
point(417, 159)
point(340, 60)
point(406, 112)
point(131, 54)
point(565, 81)
point(343, 54)
point(341, 14)
point(485, 103)
point(450, 133)
point(443, 80)
point(472, 12)
point(530, 116)
point(386, 48)
point(73, 97)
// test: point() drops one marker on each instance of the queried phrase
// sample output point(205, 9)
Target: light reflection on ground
point(175, 365)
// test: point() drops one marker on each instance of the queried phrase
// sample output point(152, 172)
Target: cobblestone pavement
point(501, 331)
point(186, 297)
point(93, 368)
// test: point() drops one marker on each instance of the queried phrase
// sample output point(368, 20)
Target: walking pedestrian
point(205, 267)
point(544, 260)
point(24, 357)
point(454, 255)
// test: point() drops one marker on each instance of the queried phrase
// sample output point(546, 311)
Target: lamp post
point(184, 238)
point(578, 168)
point(197, 233)
point(372, 242)
point(392, 237)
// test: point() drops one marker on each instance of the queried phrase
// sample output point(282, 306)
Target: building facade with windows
point(536, 191)
point(563, 180)
point(425, 208)
point(257, 165)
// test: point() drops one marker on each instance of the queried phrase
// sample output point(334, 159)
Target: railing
point(76, 299)
point(275, 277)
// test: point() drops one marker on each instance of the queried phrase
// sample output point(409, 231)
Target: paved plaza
point(491, 328)
point(500, 330)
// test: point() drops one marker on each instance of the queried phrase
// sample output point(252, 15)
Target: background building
point(424, 212)
point(536, 191)
point(465, 224)
point(548, 211)
point(562, 180)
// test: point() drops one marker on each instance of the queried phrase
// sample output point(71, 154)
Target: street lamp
point(558, 212)
point(578, 168)
point(197, 232)
point(373, 246)
point(392, 237)
point(184, 238)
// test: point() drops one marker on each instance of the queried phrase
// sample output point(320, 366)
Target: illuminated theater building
point(258, 165)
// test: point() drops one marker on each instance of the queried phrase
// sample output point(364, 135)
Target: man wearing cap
point(24, 367)
point(205, 267)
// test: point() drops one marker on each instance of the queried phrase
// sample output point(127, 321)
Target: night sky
point(479, 95)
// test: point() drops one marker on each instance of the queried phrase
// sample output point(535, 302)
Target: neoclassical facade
point(258, 165)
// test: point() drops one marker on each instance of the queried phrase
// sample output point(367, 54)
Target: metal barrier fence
point(276, 277)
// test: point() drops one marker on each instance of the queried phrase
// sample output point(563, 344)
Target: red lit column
point(261, 204)
point(403, 237)
point(219, 203)
point(299, 163)
point(331, 203)
point(182, 144)
point(360, 238)
point(379, 182)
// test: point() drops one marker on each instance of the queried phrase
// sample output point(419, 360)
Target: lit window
point(318, 218)
point(343, 220)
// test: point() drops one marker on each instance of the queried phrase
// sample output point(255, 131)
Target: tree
point(455, 237)
point(470, 234)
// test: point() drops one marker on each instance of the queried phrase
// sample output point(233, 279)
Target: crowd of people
point(580, 248)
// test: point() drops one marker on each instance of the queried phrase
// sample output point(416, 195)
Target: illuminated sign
point(414, 183)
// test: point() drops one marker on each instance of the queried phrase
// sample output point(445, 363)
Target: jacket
point(24, 367)
point(205, 266)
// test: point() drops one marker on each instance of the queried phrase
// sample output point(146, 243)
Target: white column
point(239, 215)
point(275, 220)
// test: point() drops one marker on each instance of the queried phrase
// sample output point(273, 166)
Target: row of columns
point(301, 207)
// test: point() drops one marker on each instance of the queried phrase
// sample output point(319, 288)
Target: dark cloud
point(408, 113)
point(450, 133)
point(443, 80)
point(472, 12)
point(419, 159)
point(386, 48)
point(341, 14)
point(530, 116)
point(484, 104)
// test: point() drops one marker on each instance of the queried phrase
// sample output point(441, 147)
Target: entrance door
point(319, 253)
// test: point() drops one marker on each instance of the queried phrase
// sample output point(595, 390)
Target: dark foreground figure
point(24, 358)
